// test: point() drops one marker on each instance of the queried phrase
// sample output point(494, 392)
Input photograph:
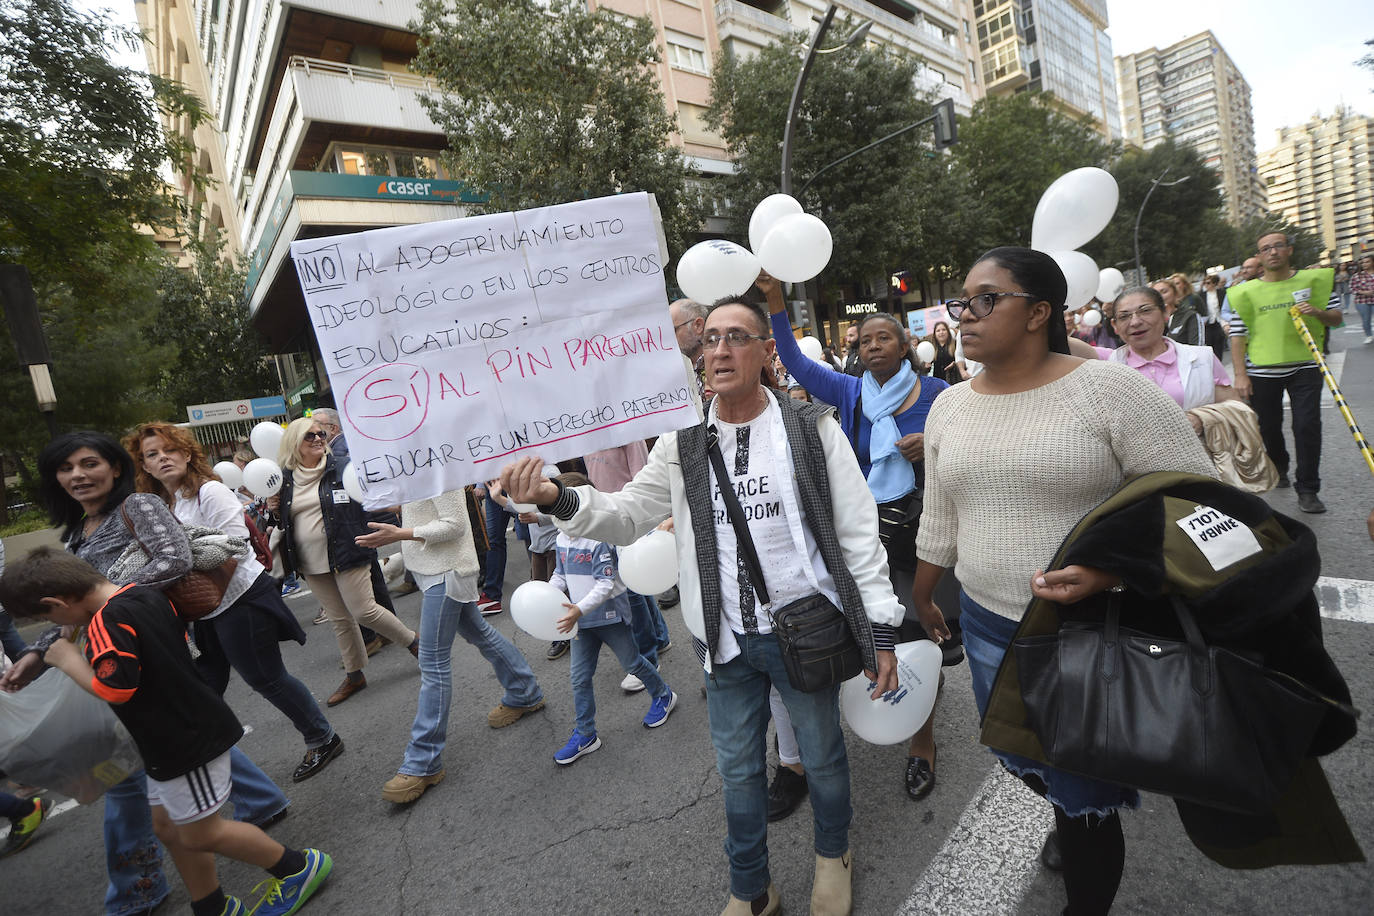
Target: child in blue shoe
point(136, 659)
point(586, 570)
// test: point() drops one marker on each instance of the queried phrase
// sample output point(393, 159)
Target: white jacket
point(1195, 371)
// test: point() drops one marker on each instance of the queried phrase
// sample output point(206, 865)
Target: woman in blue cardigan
point(883, 412)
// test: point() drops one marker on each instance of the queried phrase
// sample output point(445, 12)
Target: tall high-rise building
point(1320, 177)
point(1059, 47)
point(1193, 92)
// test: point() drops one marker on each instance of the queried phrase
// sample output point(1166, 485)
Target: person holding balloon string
point(244, 632)
point(319, 521)
point(883, 414)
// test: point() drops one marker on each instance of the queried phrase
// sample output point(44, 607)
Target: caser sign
point(405, 188)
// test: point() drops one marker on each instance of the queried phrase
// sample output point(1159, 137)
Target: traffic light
point(946, 126)
point(901, 282)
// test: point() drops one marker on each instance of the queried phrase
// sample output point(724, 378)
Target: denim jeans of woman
point(737, 698)
point(133, 855)
point(586, 651)
point(245, 637)
point(441, 619)
point(1366, 310)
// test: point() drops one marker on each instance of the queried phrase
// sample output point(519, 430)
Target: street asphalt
point(637, 827)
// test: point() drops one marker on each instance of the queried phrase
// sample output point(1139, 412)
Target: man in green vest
point(1271, 358)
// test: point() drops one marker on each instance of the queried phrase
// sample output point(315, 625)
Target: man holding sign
point(814, 525)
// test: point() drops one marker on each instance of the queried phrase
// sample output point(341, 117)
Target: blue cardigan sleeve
point(822, 381)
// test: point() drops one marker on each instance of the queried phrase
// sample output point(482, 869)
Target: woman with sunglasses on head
point(243, 633)
point(319, 522)
point(883, 414)
point(997, 453)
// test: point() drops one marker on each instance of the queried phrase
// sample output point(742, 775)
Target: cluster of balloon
point(262, 476)
point(898, 714)
point(1071, 212)
point(791, 245)
point(536, 606)
point(649, 565)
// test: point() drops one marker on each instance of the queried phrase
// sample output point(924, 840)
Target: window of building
point(353, 159)
point(686, 52)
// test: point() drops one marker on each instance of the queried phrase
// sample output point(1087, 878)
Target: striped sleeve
point(112, 649)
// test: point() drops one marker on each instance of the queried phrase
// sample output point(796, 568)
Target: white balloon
point(1081, 273)
point(536, 606)
point(811, 348)
point(262, 477)
point(649, 565)
point(1110, 283)
point(1091, 318)
point(715, 269)
point(899, 713)
point(351, 484)
point(266, 439)
point(229, 472)
point(771, 209)
point(1074, 209)
point(925, 351)
point(797, 248)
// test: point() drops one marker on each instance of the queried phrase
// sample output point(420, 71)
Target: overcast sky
point(1299, 58)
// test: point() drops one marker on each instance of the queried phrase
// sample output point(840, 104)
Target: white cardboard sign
point(1221, 538)
point(456, 347)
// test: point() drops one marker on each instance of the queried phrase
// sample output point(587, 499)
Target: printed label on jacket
point(1222, 539)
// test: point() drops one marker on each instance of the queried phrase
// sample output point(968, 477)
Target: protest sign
point(456, 347)
point(922, 321)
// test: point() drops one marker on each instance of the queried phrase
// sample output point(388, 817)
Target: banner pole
point(1306, 335)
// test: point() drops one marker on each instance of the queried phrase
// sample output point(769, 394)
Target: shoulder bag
point(818, 650)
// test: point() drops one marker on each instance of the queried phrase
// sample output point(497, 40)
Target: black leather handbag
point(1177, 717)
point(818, 649)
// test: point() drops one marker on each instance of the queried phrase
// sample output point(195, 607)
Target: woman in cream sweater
point(436, 544)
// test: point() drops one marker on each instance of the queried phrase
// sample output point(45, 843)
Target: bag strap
point(854, 427)
point(743, 541)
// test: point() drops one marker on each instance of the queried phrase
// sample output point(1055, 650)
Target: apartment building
point(1193, 92)
point(1059, 47)
point(1320, 177)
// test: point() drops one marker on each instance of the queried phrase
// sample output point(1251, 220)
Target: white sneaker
point(1369, 340)
point(631, 684)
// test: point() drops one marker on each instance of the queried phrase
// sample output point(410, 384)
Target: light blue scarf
point(891, 475)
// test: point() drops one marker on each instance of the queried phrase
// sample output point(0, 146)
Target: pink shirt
point(1163, 370)
point(610, 469)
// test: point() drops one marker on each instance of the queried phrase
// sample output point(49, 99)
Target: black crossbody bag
point(818, 649)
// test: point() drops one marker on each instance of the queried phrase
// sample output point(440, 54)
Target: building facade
point(1320, 177)
point(1059, 47)
point(1193, 93)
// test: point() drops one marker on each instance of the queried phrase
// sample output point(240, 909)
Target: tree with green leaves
point(874, 204)
point(545, 103)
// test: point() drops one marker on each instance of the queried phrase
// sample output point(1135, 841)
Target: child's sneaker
point(659, 710)
point(287, 895)
point(577, 746)
point(23, 828)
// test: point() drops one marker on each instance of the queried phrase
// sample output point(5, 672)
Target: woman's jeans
point(496, 521)
point(586, 650)
point(441, 618)
point(1366, 310)
point(133, 856)
point(245, 637)
point(737, 700)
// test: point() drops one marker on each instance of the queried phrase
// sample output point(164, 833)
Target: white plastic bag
point(55, 735)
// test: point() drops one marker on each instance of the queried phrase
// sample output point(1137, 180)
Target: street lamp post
point(1157, 183)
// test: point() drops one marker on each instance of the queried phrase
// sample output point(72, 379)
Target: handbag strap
point(743, 541)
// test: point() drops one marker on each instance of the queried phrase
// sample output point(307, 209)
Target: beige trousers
point(348, 601)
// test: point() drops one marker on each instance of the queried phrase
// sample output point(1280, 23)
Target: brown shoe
point(831, 889)
point(402, 789)
point(771, 907)
point(346, 690)
point(376, 645)
point(503, 715)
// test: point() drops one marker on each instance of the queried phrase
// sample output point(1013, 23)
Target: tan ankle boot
point(738, 907)
point(832, 889)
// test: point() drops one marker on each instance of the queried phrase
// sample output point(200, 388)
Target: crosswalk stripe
point(1346, 599)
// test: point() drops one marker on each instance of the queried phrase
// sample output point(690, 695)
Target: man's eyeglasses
point(1145, 311)
point(683, 323)
point(1268, 248)
point(315, 436)
point(980, 305)
point(712, 339)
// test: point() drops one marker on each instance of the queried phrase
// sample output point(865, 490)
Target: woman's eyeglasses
point(1145, 311)
point(980, 305)
point(315, 437)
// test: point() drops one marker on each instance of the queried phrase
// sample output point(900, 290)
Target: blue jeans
point(441, 618)
point(133, 856)
point(245, 637)
point(646, 622)
point(586, 649)
point(496, 521)
point(737, 700)
point(1366, 310)
point(986, 638)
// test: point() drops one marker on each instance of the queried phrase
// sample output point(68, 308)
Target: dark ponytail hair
point(1038, 275)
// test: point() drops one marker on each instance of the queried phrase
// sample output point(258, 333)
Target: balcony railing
point(728, 10)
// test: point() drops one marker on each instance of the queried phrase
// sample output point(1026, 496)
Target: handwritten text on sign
point(455, 347)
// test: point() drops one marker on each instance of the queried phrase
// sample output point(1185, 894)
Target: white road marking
point(1346, 599)
point(57, 809)
point(998, 840)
